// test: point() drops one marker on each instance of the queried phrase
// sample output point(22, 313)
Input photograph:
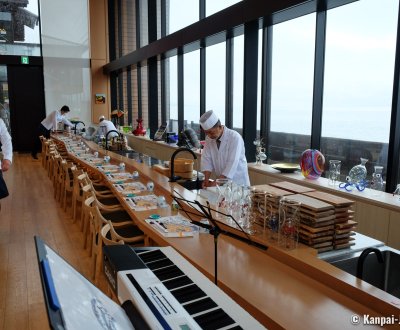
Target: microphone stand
point(214, 226)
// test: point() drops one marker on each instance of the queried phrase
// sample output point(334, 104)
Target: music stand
point(215, 226)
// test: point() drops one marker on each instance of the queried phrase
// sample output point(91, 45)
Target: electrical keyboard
point(169, 292)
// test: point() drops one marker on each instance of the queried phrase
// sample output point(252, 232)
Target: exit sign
point(24, 60)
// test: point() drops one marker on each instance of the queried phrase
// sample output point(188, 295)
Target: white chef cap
point(101, 118)
point(208, 120)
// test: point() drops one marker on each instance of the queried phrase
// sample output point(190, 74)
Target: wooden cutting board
point(271, 190)
point(316, 230)
point(292, 187)
point(331, 199)
point(314, 240)
point(311, 217)
point(347, 224)
point(312, 205)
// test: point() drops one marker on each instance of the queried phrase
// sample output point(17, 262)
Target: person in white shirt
point(104, 127)
point(6, 149)
point(224, 152)
point(50, 124)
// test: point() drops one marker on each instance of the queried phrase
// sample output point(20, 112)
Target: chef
point(224, 153)
point(106, 126)
point(48, 124)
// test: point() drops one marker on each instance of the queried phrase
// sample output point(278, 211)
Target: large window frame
point(228, 23)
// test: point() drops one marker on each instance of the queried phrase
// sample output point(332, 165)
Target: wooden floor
point(32, 210)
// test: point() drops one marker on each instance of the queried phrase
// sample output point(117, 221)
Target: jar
point(377, 180)
point(289, 223)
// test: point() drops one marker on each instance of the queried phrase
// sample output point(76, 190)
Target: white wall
point(66, 56)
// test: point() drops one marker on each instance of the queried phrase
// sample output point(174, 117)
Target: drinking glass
point(235, 204)
point(289, 223)
point(224, 197)
point(334, 171)
point(272, 218)
point(377, 181)
point(248, 214)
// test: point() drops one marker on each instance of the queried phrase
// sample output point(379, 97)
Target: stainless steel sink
point(385, 276)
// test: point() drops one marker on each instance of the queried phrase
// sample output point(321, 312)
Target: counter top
point(282, 289)
point(368, 195)
point(361, 243)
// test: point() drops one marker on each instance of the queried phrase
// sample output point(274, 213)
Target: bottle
point(174, 207)
point(377, 180)
point(358, 173)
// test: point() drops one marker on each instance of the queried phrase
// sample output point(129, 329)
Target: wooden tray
point(316, 230)
point(292, 187)
point(312, 205)
point(347, 224)
point(315, 240)
point(271, 190)
point(331, 199)
point(317, 236)
point(318, 217)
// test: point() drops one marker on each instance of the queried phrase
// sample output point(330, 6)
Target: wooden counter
point(282, 289)
point(378, 216)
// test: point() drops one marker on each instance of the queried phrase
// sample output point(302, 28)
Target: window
point(144, 23)
point(19, 28)
point(292, 88)
point(192, 89)
point(215, 79)
point(213, 6)
point(128, 18)
point(238, 62)
point(172, 93)
point(358, 83)
point(145, 93)
point(259, 81)
point(182, 14)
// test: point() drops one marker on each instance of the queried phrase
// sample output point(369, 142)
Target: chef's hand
point(208, 183)
point(5, 165)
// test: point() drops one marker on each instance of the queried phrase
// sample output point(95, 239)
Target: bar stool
point(50, 162)
point(68, 182)
point(77, 193)
point(102, 238)
point(43, 142)
point(129, 234)
point(57, 176)
point(93, 207)
point(102, 192)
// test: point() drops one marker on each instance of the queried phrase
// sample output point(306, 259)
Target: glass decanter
point(358, 173)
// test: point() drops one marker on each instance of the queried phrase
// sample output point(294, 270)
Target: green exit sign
point(24, 60)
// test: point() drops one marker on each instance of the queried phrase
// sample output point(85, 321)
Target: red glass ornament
point(139, 128)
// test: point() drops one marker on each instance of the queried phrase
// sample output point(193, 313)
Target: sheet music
point(83, 305)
